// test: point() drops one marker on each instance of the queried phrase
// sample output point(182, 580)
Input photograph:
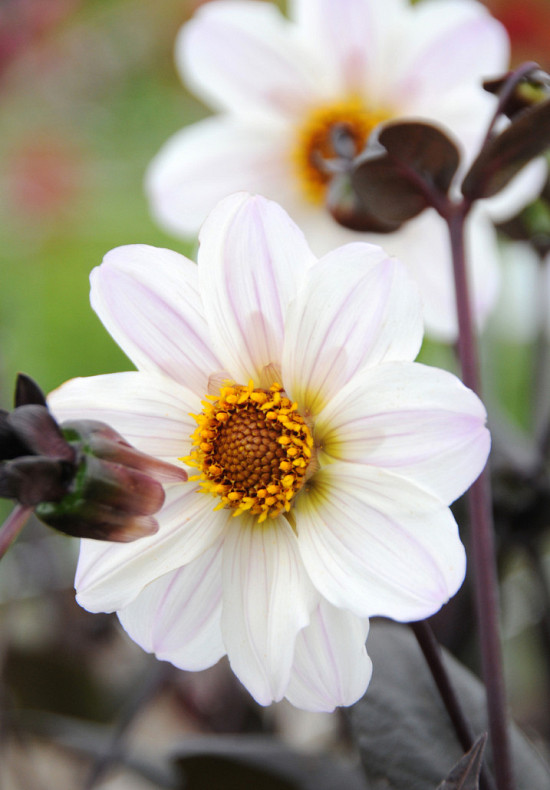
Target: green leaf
point(465, 774)
point(402, 728)
point(504, 155)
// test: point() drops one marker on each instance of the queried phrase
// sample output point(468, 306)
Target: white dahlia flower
point(279, 86)
point(322, 459)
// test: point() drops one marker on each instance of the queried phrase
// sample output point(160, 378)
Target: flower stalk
point(481, 520)
point(432, 653)
point(12, 526)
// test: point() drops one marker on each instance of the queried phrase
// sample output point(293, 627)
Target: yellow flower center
point(252, 449)
point(314, 140)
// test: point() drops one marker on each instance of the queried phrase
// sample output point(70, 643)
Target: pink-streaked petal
point(446, 44)
point(151, 412)
point(110, 576)
point(352, 37)
point(252, 260)
point(377, 544)
point(267, 598)
point(209, 160)
point(418, 421)
point(244, 57)
point(331, 666)
point(423, 245)
point(148, 300)
point(358, 308)
point(178, 616)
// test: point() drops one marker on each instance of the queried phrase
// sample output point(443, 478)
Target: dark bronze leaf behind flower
point(405, 168)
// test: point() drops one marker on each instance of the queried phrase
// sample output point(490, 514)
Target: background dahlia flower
point(280, 85)
point(322, 459)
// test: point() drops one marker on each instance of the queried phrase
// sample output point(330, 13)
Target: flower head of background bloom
point(280, 86)
point(321, 458)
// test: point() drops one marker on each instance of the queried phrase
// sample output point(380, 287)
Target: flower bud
point(81, 477)
point(533, 88)
point(105, 501)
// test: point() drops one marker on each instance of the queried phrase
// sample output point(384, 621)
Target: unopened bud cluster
point(80, 477)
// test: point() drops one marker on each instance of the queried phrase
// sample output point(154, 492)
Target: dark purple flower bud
point(106, 501)
point(523, 96)
point(81, 477)
point(103, 441)
point(32, 479)
point(532, 88)
point(28, 392)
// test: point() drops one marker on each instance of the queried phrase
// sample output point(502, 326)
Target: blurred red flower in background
point(22, 22)
point(528, 25)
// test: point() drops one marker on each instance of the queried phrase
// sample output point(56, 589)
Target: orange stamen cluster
point(252, 449)
point(314, 141)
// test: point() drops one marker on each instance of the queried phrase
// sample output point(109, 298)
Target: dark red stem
point(481, 520)
point(432, 653)
point(12, 526)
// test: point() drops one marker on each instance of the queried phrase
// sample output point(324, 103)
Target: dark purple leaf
point(465, 774)
point(408, 167)
point(402, 730)
point(244, 762)
point(347, 208)
point(423, 148)
point(527, 136)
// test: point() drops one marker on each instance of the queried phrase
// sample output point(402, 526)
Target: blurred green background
point(88, 93)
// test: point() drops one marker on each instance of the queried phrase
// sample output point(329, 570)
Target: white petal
point(110, 576)
point(418, 421)
point(209, 160)
point(148, 300)
point(178, 616)
point(423, 245)
point(331, 666)
point(377, 544)
point(351, 37)
point(243, 57)
point(449, 43)
point(252, 259)
point(151, 412)
point(358, 308)
point(267, 599)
